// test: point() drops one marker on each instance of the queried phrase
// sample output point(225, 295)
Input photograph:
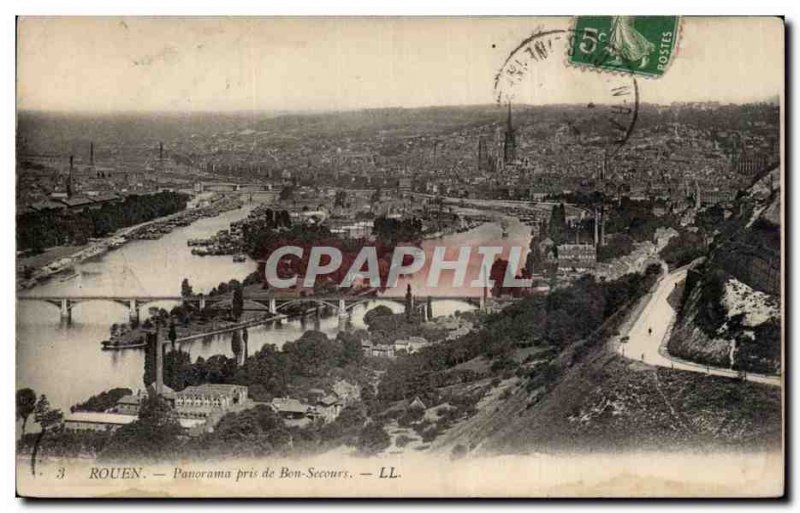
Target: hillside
point(601, 401)
point(542, 377)
point(730, 313)
point(608, 403)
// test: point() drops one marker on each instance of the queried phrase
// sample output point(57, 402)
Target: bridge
point(242, 188)
point(275, 303)
point(66, 303)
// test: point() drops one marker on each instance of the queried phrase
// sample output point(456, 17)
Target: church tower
point(510, 142)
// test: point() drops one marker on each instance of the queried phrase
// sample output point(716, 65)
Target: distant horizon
point(772, 100)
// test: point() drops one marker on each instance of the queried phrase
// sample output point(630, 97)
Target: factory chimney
point(161, 151)
point(69, 179)
point(91, 153)
point(159, 366)
point(409, 306)
point(602, 225)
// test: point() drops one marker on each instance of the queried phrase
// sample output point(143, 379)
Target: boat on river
point(111, 345)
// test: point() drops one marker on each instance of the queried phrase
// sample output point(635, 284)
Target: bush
point(347, 427)
point(376, 313)
point(502, 363)
point(543, 376)
point(103, 401)
point(403, 440)
point(373, 439)
point(411, 416)
point(616, 246)
point(683, 249)
point(431, 433)
point(458, 452)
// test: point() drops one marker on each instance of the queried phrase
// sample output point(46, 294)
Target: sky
point(263, 64)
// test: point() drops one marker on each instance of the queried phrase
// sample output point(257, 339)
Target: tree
point(38, 230)
point(245, 337)
point(558, 223)
point(102, 401)
point(684, 248)
point(257, 431)
point(376, 313)
point(154, 435)
point(313, 354)
point(173, 335)
point(186, 289)
point(47, 418)
point(26, 403)
point(346, 427)
point(373, 439)
point(236, 345)
point(287, 193)
point(341, 199)
point(178, 370)
point(497, 274)
point(351, 348)
point(269, 368)
point(237, 303)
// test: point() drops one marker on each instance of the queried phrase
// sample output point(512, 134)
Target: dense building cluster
point(517, 152)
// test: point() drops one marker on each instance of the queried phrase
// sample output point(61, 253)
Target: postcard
point(400, 257)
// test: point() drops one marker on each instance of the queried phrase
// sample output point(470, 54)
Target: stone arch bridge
point(275, 303)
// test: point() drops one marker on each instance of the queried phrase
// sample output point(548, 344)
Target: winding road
point(650, 331)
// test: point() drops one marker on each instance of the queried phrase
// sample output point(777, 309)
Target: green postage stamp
point(642, 45)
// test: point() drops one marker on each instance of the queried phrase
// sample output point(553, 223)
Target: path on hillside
point(659, 316)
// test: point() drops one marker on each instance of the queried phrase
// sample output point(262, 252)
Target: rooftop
point(211, 389)
point(117, 419)
point(94, 417)
point(286, 404)
point(106, 196)
point(47, 205)
point(76, 201)
point(329, 400)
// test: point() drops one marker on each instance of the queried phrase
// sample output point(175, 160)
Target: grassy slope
point(604, 402)
point(607, 402)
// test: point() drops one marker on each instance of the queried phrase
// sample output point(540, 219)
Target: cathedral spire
point(510, 142)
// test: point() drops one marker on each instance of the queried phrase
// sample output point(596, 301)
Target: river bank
point(60, 261)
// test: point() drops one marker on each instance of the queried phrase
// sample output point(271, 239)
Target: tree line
point(41, 230)
point(551, 322)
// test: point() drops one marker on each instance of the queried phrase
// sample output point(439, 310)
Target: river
point(66, 363)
